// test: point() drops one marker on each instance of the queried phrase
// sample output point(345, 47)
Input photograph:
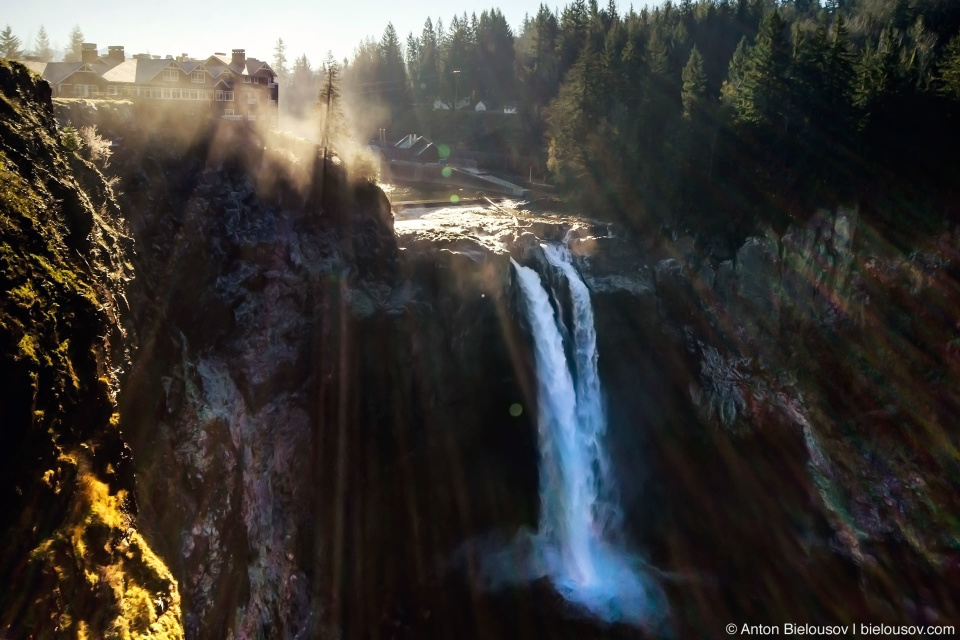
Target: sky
point(200, 29)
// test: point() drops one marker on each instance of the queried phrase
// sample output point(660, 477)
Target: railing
point(233, 117)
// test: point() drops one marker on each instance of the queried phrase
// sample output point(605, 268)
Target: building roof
point(136, 70)
point(143, 70)
point(56, 72)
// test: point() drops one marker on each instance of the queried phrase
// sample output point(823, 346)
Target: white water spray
point(571, 545)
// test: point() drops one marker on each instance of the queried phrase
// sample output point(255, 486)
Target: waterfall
point(577, 516)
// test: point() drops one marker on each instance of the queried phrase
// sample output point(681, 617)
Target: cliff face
point(73, 563)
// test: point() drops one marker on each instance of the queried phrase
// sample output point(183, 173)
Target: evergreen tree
point(74, 45)
point(393, 75)
point(280, 59)
point(413, 67)
point(41, 46)
point(694, 94)
point(331, 114)
point(429, 68)
point(9, 44)
point(765, 90)
point(732, 89)
point(949, 84)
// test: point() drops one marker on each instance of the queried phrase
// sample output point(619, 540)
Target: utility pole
point(456, 83)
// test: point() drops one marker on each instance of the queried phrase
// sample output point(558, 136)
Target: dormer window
point(198, 76)
point(171, 74)
point(246, 79)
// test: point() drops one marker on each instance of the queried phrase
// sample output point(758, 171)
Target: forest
point(709, 117)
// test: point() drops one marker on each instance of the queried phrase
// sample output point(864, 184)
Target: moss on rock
point(79, 567)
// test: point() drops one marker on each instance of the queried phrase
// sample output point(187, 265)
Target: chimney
point(183, 57)
point(88, 52)
point(116, 54)
point(239, 57)
point(142, 56)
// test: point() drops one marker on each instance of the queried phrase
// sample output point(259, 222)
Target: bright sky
point(199, 29)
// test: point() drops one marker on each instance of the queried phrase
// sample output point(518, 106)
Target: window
point(246, 79)
point(228, 96)
point(171, 74)
point(256, 80)
point(166, 94)
point(228, 112)
point(219, 95)
point(198, 76)
point(193, 94)
point(207, 95)
point(111, 91)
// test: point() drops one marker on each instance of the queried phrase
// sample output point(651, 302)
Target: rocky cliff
point(74, 564)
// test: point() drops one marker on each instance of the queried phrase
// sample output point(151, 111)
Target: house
point(416, 148)
point(463, 103)
point(236, 88)
point(440, 105)
point(509, 109)
point(480, 107)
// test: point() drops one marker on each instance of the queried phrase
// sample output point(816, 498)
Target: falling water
point(572, 545)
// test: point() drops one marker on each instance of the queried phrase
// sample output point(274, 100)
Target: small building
point(510, 109)
point(414, 148)
point(480, 107)
point(463, 103)
point(440, 105)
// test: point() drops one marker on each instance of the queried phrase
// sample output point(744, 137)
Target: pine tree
point(393, 73)
point(732, 90)
point(949, 84)
point(428, 79)
point(765, 90)
point(413, 67)
point(9, 44)
point(74, 45)
point(329, 101)
point(280, 59)
point(41, 46)
point(694, 94)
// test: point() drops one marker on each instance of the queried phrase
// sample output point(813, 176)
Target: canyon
point(285, 410)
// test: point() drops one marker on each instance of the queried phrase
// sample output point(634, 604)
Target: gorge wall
point(310, 405)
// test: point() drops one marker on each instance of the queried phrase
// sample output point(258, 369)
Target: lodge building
point(235, 87)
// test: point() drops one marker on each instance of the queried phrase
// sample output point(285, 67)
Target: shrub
point(98, 147)
point(70, 139)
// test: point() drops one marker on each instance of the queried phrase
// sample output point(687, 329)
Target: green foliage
point(707, 115)
point(70, 139)
point(950, 71)
point(694, 94)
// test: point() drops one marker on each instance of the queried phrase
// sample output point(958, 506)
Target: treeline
point(709, 116)
point(712, 117)
point(13, 48)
